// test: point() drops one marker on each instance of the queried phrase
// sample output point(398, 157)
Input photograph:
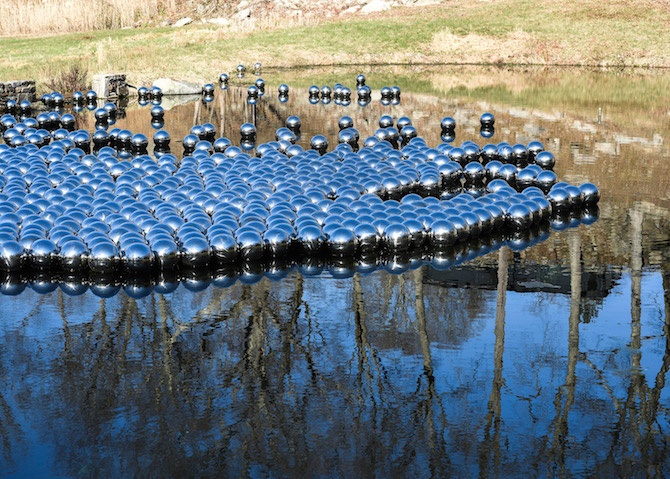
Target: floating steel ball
point(314, 91)
point(397, 237)
point(241, 69)
point(208, 89)
point(100, 138)
point(360, 80)
point(402, 122)
point(519, 216)
point(407, 133)
point(260, 84)
point(143, 92)
point(387, 92)
point(252, 91)
point(251, 245)
point(43, 253)
point(12, 255)
point(559, 199)
point(319, 143)
point(101, 115)
point(342, 241)
point(223, 78)
point(545, 160)
point(91, 96)
point(443, 233)
point(590, 193)
point(326, 91)
point(189, 142)
point(385, 121)
point(155, 93)
point(546, 180)
point(487, 120)
point(221, 144)
point(139, 142)
point(345, 122)
point(247, 130)
point(293, 123)
point(283, 89)
point(157, 112)
point(68, 121)
point(137, 257)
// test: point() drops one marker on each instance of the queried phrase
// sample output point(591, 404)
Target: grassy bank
point(548, 32)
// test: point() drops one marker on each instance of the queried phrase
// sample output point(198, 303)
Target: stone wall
point(108, 85)
point(17, 90)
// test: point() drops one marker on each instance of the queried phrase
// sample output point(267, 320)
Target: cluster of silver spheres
point(63, 207)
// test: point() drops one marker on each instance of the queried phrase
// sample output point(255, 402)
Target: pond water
point(550, 361)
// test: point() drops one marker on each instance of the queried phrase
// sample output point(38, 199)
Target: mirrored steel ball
point(590, 193)
point(545, 160)
point(487, 120)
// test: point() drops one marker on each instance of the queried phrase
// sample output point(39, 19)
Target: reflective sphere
point(545, 160)
point(590, 193)
point(342, 242)
point(448, 124)
point(487, 120)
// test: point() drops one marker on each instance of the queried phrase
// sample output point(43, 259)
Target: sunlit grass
point(505, 32)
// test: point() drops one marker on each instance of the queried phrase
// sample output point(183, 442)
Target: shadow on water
point(551, 361)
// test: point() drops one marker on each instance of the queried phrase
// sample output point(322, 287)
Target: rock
point(376, 6)
point(224, 22)
point(107, 85)
point(182, 22)
point(177, 87)
point(242, 14)
point(352, 9)
point(18, 90)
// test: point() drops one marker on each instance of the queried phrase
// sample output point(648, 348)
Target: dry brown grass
point(58, 16)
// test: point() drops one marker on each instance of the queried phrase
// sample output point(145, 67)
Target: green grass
point(512, 31)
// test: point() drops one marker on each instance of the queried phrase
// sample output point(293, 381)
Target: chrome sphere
point(545, 160)
point(345, 122)
point(519, 216)
point(590, 193)
point(138, 257)
point(74, 255)
point(342, 242)
point(247, 130)
point(319, 143)
point(448, 124)
point(12, 255)
point(195, 251)
point(559, 199)
point(443, 233)
point(224, 248)
point(251, 245)
point(546, 180)
point(276, 241)
point(104, 257)
point(397, 237)
point(283, 89)
point(293, 123)
point(43, 253)
point(487, 120)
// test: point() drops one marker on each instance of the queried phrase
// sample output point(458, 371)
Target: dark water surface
point(551, 361)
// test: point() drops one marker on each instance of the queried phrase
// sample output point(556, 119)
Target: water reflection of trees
point(305, 377)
